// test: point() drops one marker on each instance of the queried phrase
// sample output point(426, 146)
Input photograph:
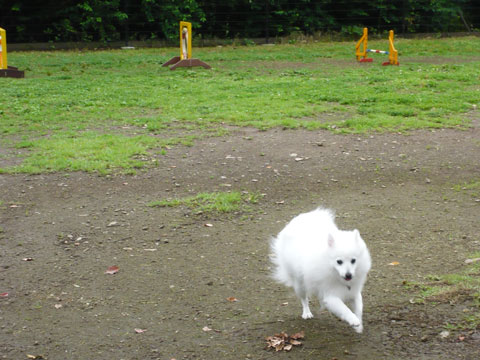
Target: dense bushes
point(88, 20)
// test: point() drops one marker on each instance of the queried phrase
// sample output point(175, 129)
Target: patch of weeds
point(472, 187)
point(221, 202)
point(89, 151)
point(458, 288)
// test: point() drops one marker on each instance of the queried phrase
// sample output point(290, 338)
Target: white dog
point(316, 258)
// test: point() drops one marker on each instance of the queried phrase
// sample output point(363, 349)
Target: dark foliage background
point(112, 20)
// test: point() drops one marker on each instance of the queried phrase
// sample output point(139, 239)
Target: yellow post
point(185, 58)
point(185, 40)
point(362, 52)
point(392, 52)
point(3, 49)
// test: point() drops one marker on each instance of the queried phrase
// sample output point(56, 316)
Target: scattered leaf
point(4, 295)
point(208, 225)
point(232, 299)
point(206, 329)
point(112, 270)
point(58, 306)
point(27, 259)
point(394, 263)
point(139, 331)
point(470, 261)
point(444, 334)
point(284, 342)
point(299, 335)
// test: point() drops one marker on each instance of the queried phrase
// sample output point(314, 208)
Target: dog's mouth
point(348, 277)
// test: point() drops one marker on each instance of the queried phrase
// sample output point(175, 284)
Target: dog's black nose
point(348, 276)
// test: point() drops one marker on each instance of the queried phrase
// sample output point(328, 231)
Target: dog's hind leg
point(302, 295)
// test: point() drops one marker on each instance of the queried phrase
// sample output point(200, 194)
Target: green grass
point(472, 188)
point(462, 287)
point(129, 96)
point(217, 202)
point(87, 151)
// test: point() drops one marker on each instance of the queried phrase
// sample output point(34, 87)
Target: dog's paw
point(358, 328)
point(307, 315)
point(355, 323)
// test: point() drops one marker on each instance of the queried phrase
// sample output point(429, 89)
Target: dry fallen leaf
point(139, 331)
point(208, 225)
point(27, 259)
point(299, 335)
point(284, 342)
point(206, 329)
point(393, 263)
point(58, 306)
point(470, 261)
point(5, 294)
point(112, 270)
point(232, 299)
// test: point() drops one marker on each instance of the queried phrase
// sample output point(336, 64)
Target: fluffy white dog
point(316, 258)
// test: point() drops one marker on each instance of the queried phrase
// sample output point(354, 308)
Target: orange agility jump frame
point(185, 58)
point(5, 70)
point(361, 49)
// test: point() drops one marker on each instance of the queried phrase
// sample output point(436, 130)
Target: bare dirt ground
point(60, 232)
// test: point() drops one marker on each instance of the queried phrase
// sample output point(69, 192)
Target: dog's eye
point(339, 262)
point(353, 261)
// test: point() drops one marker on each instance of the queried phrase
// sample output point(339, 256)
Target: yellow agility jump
point(5, 70)
point(361, 49)
point(185, 58)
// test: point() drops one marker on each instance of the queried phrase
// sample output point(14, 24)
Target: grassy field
point(104, 111)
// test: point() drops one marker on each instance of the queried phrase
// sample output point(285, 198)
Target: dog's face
point(345, 266)
point(346, 249)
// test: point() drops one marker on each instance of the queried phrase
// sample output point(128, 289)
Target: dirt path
point(60, 232)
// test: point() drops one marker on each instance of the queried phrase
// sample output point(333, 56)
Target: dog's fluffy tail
point(280, 272)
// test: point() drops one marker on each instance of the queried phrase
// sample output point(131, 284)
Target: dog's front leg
point(338, 308)
point(358, 310)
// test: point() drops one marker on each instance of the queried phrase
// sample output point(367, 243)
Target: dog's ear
point(331, 241)
point(356, 233)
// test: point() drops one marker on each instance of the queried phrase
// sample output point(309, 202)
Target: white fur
point(307, 254)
